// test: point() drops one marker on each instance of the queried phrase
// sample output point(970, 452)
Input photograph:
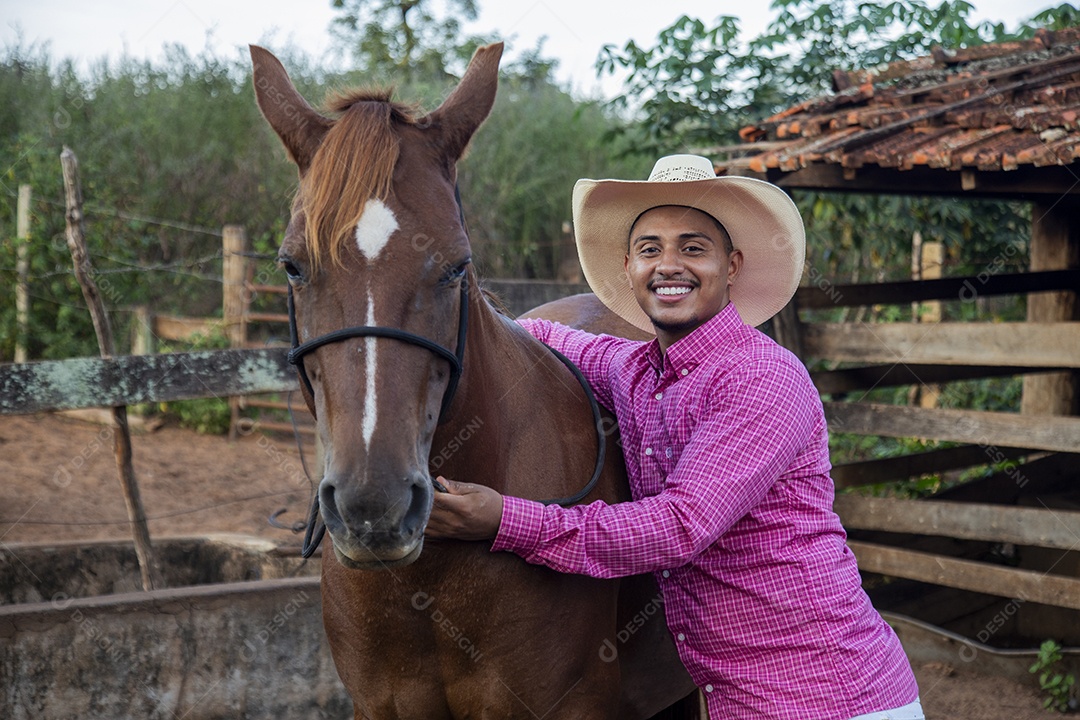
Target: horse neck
point(517, 423)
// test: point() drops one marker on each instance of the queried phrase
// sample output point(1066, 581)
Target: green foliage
point(158, 181)
point(404, 40)
point(1065, 15)
point(867, 238)
point(1057, 686)
point(701, 82)
point(811, 38)
point(171, 151)
point(517, 178)
point(211, 416)
point(685, 90)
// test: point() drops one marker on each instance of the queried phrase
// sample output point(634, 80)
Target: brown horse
point(446, 630)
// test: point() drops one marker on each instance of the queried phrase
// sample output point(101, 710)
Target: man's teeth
point(672, 290)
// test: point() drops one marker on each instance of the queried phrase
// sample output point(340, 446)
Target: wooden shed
point(996, 558)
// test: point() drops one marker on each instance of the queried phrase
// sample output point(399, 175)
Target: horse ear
point(300, 128)
point(468, 105)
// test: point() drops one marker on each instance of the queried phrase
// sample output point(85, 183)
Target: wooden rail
point(1045, 345)
point(128, 380)
point(979, 427)
point(1028, 585)
point(867, 377)
point(966, 521)
point(963, 289)
point(869, 472)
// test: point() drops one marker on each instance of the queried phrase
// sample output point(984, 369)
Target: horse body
point(446, 629)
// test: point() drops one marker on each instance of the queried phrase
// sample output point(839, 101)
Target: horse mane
point(496, 302)
point(354, 164)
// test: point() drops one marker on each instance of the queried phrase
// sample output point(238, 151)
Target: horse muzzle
point(378, 523)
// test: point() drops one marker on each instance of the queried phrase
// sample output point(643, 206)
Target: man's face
point(679, 269)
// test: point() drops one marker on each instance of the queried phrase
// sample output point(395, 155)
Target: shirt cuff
point(519, 529)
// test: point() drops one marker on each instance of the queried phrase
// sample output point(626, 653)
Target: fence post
point(233, 271)
point(1055, 245)
point(84, 273)
point(142, 331)
point(930, 264)
point(22, 270)
point(234, 274)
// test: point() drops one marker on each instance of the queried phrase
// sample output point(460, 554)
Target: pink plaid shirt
point(727, 452)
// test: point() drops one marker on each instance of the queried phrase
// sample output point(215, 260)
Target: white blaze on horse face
point(374, 228)
point(370, 408)
point(377, 223)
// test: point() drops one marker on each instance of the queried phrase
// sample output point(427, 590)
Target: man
point(727, 453)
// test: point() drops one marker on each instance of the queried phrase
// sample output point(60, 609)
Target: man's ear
point(735, 261)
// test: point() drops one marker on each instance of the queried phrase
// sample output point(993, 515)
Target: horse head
point(378, 264)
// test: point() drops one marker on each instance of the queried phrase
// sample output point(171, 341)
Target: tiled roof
point(987, 108)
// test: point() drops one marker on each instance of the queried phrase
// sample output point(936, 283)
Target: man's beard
point(676, 327)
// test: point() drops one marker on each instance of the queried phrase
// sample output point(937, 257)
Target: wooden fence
point(886, 355)
point(897, 354)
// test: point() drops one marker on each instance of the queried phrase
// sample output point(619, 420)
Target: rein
point(315, 530)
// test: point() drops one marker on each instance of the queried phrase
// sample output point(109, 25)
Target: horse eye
point(290, 269)
point(456, 273)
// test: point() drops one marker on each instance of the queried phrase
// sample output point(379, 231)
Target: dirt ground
point(58, 481)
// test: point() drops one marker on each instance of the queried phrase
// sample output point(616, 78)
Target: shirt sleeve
point(750, 435)
point(593, 354)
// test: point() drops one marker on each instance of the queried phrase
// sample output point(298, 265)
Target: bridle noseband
point(315, 530)
point(298, 351)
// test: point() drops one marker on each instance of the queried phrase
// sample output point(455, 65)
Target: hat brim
point(761, 219)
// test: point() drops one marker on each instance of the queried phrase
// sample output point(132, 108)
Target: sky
point(576, 30)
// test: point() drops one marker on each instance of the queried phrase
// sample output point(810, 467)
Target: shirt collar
point(718, 332)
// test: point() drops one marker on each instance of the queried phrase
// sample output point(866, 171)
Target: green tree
point(172, 150)
point(405, 40)
point(684, 92)
point(700, 83)
point(167, 156)
point(517, 178)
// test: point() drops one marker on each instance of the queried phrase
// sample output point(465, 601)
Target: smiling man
point(726, 450)
point(680, 263)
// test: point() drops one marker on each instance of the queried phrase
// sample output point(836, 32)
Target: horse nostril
point(416, 516)
point(328, 504)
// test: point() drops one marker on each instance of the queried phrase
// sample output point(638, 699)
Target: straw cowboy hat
point(761, 219)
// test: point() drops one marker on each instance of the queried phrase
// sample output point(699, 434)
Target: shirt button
point(686, 371)
point(666, 573)
point(659, 395)
point(680, 637)
point(667, 452)
point(648, 451)
point(708, 688)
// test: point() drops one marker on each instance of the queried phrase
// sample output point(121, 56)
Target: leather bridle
point(315, 530)
point(298, 351)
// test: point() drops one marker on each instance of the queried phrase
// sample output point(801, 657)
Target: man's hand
point(466, 512)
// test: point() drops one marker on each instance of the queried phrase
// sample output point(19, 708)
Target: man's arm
point(736, 454)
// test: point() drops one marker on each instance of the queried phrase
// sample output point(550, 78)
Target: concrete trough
point(243, 638)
